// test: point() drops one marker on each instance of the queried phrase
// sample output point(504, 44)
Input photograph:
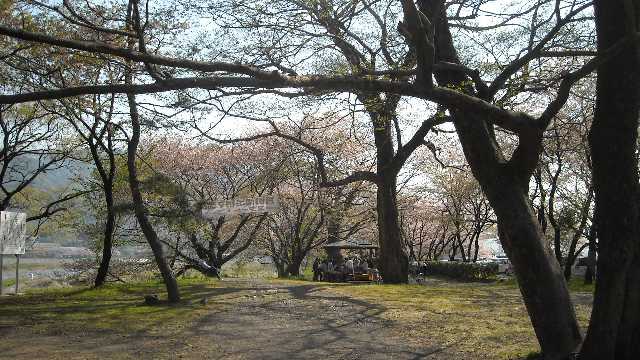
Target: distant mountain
point(60, 178)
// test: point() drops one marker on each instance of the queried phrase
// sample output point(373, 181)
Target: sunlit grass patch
point(471, 318)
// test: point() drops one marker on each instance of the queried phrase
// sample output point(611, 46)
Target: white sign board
point(13, 233)
point(220, 208)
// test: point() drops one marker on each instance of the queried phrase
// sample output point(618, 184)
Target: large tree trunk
point(393, 261)
point(613, 329)
point(591, 256)
point(333, 233)
point(539, 276)
point(394, 264)
point(333, 226)
point(476, 247)
point(140, 211)
point(107, 245)
point(462, 250)
point(293, 269)
point(628, 339)
point(281, 268)
point(568, 267)
point(470, 244)
point(453, 251)
point(505, 183)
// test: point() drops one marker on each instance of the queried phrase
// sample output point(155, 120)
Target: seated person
point(322, 271)
point(365, 266)
point(349, 267)
point(356, 265)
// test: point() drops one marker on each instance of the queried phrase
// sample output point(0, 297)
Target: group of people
point(327, 270)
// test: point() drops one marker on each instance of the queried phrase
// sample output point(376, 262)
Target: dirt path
point(304, 321)
point(266, 321)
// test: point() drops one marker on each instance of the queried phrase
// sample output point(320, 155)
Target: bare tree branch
point(51, 209)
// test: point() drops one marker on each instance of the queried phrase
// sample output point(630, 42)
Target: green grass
point(576, 284)
point(476, 319)
point(8, 283)
point(114, 307)
point(473, 318)
point(305, 275)
point(254, 270)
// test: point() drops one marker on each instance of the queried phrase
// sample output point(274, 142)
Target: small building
point(341, 270)
point(334, 249)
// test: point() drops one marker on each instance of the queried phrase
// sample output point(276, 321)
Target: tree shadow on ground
point(257, 320)
point(307, 321)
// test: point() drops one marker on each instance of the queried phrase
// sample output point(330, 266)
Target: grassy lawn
point(477, 319)
point(474, 318)
point(114, 307)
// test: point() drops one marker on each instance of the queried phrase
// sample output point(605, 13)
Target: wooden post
point(1, 257)
point(17, 273)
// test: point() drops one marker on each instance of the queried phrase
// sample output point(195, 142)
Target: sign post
point(1, 266)
point(17, 269)
point(13, 231)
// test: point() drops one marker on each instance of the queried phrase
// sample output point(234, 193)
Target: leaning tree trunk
point(107, 245)
point(539, 276)
point(106, 176)
point(505, 183)
point(140, 211)
point(614, 330)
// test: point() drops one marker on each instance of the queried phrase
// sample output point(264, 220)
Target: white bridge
point(262, 204)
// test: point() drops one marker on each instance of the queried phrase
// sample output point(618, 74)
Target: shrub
point(463, 270)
